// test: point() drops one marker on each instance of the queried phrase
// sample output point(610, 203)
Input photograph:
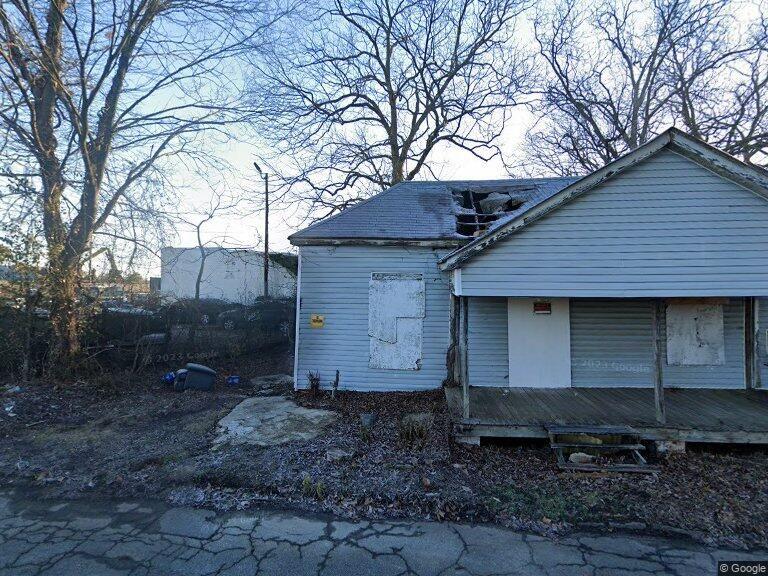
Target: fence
point(123, 335)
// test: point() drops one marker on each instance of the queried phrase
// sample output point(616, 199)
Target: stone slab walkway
point(106, 538)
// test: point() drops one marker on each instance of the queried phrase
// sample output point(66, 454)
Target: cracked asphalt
point(82, 538)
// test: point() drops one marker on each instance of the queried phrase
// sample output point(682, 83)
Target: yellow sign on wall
point(316, 321)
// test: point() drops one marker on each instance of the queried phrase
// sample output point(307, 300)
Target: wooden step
point(598, 446)
point(591, 429)
point(621, 468)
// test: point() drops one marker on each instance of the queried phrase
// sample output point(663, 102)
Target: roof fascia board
point(434, 243)
point(458, 257)
point(724, 165)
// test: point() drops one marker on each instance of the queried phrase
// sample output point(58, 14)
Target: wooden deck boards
point(693, 414)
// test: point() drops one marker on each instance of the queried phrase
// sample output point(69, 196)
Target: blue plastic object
point(169, 377)
point(233, 380)
point(180, 382)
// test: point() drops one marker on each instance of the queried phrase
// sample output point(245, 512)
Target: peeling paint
point(695, 334)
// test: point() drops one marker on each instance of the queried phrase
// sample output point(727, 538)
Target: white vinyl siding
point(487, 350)
point(610, 346)
point(335, 283)
point(666, 227)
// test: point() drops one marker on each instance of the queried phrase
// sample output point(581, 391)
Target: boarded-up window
point(395, 317)
point(695, 333)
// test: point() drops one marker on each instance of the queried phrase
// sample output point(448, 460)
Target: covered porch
point(615, 369)
point(691, 415)
point(631, 297)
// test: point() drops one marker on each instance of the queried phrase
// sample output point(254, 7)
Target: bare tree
point(720, 87)
point(100, 100)
point(359, 96)
point(622, 71)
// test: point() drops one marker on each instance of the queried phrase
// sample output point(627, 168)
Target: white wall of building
point(232, 275)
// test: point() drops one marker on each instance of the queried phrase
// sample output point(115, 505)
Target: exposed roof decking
point(750, 177)
point(425, 211)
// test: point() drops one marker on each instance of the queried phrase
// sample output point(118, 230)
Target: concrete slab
point(267, 421)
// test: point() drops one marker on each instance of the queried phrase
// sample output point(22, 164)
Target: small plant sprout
point(313, 378)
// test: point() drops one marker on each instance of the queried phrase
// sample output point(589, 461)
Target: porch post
point(658, 380)
point(463, 356)
point(452, 357)
point(751, 365)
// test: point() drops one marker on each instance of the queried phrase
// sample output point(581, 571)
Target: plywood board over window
point(695, 333)
point(396, 310)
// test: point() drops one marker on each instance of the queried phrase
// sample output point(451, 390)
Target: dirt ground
point(131, 436)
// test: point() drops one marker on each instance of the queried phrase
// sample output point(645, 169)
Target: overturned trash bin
point(199, 377)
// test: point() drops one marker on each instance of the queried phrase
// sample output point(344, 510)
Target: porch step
point(594, 429)
point(598, 438)
point(607, 447)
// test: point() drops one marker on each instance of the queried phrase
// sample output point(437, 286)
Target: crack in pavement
point(75, 538)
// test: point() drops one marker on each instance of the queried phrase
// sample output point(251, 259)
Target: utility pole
point(265, 176)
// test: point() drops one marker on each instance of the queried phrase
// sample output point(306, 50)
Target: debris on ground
point(273, 385)
point(128, 439)
point(581, 458)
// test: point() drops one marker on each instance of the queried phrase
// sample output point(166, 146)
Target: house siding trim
point(297, 326)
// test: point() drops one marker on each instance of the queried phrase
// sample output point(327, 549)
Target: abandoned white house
point(627, 297)
point(234, 275)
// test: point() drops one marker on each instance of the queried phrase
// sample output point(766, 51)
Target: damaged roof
point(749, 176)
point(454, 210)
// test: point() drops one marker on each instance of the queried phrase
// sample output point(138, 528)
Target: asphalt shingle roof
point(421, 210)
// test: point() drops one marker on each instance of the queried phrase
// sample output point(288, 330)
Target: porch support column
point(452, 357)
point(751, 355)
point(658, 379)
point(463, 355)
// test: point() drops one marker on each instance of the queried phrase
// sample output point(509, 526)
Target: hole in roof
point(476, 209)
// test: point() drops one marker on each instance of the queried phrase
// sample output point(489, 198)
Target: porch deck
point(693, 415)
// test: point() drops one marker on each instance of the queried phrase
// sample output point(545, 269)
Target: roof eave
point(419, 242)
point(751, 177)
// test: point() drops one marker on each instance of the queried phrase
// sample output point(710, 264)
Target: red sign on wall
point(542, 307)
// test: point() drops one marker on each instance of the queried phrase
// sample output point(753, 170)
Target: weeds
point(544, 503)
point(313, 378)
point(414, 429)
point(312, 489)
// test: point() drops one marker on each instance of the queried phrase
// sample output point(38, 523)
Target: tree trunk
point(192, 337)
point(398, 170)
point(64, 278)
